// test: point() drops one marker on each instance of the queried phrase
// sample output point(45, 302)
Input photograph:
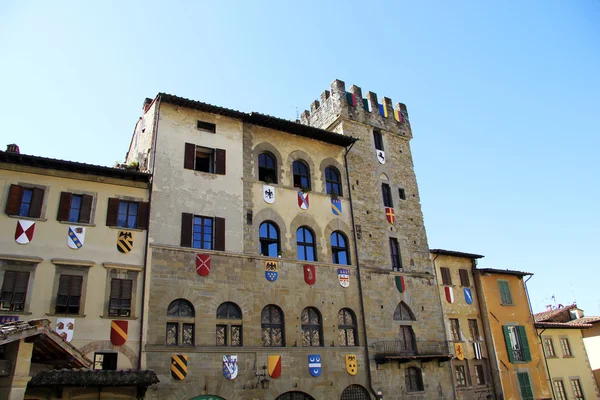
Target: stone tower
point(403, 316)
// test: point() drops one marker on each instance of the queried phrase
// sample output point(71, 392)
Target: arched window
point(229, 325)
point(267, 168)
point(355, 392)
point(406, 340)
point(414, 379)
point(305, 244)
point(312, 329)
point(301, 174)
point(295, 396)
point(347, 332)
point(339, 248)
point(180, 324)
point(273, 328)
point(403, 313)
point(333, 182)
point(269, 239)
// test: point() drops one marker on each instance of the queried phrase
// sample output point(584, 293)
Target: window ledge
point(27, 218)
point(14, 257)
point(66, 315)
point(76, 223)
point(120, 228)
point(7, 312)
point(508, 305)
point(568, 357)
point(73, 263)
point(415, 393)
point(128, 267)
point(115, 317)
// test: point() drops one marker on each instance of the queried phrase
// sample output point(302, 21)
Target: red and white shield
point(202, 264)
point(310, 275)
point(24, 231)
point(449, 294)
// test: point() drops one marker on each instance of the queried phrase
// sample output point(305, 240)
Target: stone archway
point(207, 397)
point(92, 347)
point(295, 396)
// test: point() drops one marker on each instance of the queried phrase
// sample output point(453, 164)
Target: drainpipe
point(147, 247)
point(539, 335)
point(360, 291)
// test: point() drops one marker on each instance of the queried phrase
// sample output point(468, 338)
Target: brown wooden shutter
point(76, 283)
point(63, 285)
point(13, 204)
point(85, 215)
point(126, 286)
point(112, 212)
point(464, 277)
point(9, 282)
point(219, 233)
point(21, 282)
point(115, 289)
point(190, 155)
point(35, 211)
point(446, 278)
point(64, 206)
point(143, 214)
point(187, 224)
point(220, 161)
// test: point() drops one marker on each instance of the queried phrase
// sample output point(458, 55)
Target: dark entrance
point(295, 396)
point(355, 392)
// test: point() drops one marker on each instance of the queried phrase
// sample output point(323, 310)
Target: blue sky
point(503, 100)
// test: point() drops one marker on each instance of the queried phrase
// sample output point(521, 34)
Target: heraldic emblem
point(118, 332)
point(314, 364)
point(468, 295)
point(389, 214)
point(381, 156)
point(203, 264)
point(344, 277)
point(24, 231)
point(310, 275)
point(179, 366)
point(76, 237)
point(125, 241)
point(459, 351)
point(336, 206)
point(274, 365)
point(230, 366)
point(303, 200)
point(400, 284)
point(351, 364)
point(271, 270)
point(269, 194)
point(449, 294)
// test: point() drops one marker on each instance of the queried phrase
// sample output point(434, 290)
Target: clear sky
point(503, 98)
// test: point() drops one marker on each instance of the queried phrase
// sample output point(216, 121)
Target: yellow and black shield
point(351, 364)
point(125, 241)
point(179, 366)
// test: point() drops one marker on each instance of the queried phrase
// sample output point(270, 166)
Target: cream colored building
point(60, 257)
point(561, 331)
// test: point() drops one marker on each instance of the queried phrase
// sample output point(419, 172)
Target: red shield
point(202, 264)
point(310, 275)
point(118, 332)
point(389, 214)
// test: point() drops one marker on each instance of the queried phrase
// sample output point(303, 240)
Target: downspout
point(539, 335)
point(147, 247)
point(360, 291)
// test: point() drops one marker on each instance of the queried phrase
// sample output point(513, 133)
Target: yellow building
point(570, 372)
point(462, 316)
point(518, 365)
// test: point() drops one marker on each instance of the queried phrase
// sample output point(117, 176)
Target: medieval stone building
point(288, 260)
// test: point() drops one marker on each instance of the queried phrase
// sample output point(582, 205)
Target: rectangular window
point(577, 390)
point(127, 214)
point(221, 335)
point(378, 140)
point(202, 233)
point(395, 254)
point(68, 299)
point(120, 297)
point(473, 329)
point(480, 374)
point(566, 347)
point(172, 334)
point(455, 329)
point(549, 347)
point(464, 277)
point(461, 375)
point(206, 126)
point(25, 201)
point(204, 159)
point(105, 361)
point(525, 386)
point(505, 295)
point(236, 335)
point(402, 194)
point(387, 195)
point(187, 337)
point(75, 208)
point(559, 390)
point(517, 345)
point(14, 290)
point(446, 278)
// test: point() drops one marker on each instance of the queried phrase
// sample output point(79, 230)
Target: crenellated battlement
point(338, 102)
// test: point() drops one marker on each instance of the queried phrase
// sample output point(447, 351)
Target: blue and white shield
point(336, 206)
point(314, 364)
point(468, 295)
point(271, 270)
point(230, 366)
point(76, 237)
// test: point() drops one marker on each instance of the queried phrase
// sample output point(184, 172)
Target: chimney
point(12, 148)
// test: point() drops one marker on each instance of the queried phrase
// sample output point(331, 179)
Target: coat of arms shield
point(389, 214)
point(381, 156)
point(459, 351)
point(118, 332)
point(449, 294)
point(400, 284)
point(230, 366)
point(179, 366)
point(310, 275)
point(269, 194)
point(274, 365)
point(344, 277)
point(125, 241)
point(203, 264)
point(303, 200)
point(24, 231)
point(271, 270)
point(314, 364)
point(336, 206)
point(468, 295)
point(76, 237)
point(351, 364)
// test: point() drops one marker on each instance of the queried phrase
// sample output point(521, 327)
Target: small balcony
point(401, 351)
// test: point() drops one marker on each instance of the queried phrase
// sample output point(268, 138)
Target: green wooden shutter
point(525, 386)
point(509, 348)
point(524, 343)
point(505, 296)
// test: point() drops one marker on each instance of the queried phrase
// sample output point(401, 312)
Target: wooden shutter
point(524, 343)
point(219, 233)
point(525, 385)
point(63, 285)
point(187, 225)
point(189, 156)
point(464, 277)
point(35, 211)
point(115, 289)
point(446, 278)
point(509, 348)
point(126, 286)
point(14, 200)
point(85, 214)
point(143, 214)
point(76, 283)
point(112, 212)
point(505, 295)
point(9, 281)
point(64, 206)
point(21, 282)
point(220, 161)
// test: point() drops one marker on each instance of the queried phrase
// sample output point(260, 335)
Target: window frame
point(120, 299)
point(103, 354)
point(455, 329)
point(378, 140)
point(464, 277)
point(505, 293)
point(519, 350)
point(565, 346)
point(13, 292)
point(114, 206)
point(386, 195)
point(549, 349)
point(206, 126)
point(311, 328)
point(480, 375)
point(403, 313)
point(266, 242)
point(473, 329)
point(461, 381)
point(181, 322)
point(576, 388)
point(446, 276)
point(336, 250)
point(344, 327)
point(560, 390)
point(37, 203)
point(229, 323)
point(301, 179)
point(304, 245)
point(402, 193)
point(413, 379)
point(202, 242)
point(395, 254)
point(272, 325)
point(264, 171)
point(333, 181)
point(71, 278)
